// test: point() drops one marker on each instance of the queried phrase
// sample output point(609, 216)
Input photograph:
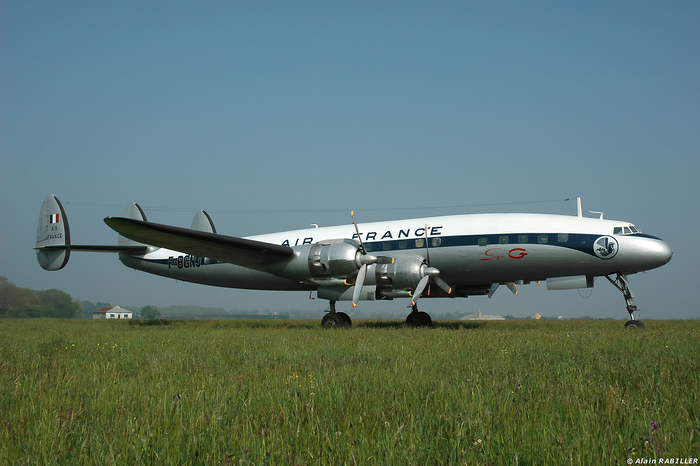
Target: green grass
point(289, 392)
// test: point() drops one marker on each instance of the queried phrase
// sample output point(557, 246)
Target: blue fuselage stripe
point(578, 242)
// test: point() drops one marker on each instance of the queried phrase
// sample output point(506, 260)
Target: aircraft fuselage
point(469, 250)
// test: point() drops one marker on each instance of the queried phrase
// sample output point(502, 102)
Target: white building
point(112, 312)
point(480, 316)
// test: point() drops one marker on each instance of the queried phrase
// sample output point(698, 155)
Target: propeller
point(364, 260)
point(357, 230)
point(429, 273)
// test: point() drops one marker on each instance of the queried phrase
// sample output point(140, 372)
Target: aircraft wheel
point(331, 320)
point(425, 320)
point(412, 319)
point(347, 322)
point(419, 319)
point(634, 324)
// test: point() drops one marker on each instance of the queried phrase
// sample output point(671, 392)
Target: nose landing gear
point(621, 283)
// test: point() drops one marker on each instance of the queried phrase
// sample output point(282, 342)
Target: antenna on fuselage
point(578, 206)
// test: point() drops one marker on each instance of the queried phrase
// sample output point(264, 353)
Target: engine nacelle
point(401, 275)
point(334, 258)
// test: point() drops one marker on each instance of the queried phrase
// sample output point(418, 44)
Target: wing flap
point(231, 249)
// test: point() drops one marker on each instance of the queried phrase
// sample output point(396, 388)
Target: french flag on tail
point(53, 218)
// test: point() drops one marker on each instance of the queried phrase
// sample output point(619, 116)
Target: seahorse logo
point(605, 247)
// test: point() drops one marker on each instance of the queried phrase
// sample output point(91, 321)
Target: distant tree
point(57, 303)
point(149, 312)
point(11, 297)
point(23, 302)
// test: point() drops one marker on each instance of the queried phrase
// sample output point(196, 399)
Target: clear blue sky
point(274, 115)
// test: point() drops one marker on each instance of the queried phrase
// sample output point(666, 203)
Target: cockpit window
point(626, 230)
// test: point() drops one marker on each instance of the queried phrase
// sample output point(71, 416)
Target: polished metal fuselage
point(469, 250)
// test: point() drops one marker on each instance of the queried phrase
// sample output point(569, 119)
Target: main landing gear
point(623, 285)
point(418, 318)
point(335, 319)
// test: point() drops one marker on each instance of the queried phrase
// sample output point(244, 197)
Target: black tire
point(424, 319)
point(347, 322)
point(332, 320)
point(419, 319)
point(634, 324)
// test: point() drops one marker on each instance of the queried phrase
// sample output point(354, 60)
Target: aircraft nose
point(659, 252)
point(665, 252)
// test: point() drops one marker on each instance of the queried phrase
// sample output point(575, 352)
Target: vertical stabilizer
point(202, 222)
point(134, 211)
point(52, 235)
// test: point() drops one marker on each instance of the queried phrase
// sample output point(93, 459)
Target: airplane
point(453, 256)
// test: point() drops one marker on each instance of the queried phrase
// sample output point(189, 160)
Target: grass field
point(290, 392)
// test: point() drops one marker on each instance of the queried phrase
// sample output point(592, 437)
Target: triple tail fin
point(203, 222)
point(134, 211)
point(53, 243)
point(52, 235)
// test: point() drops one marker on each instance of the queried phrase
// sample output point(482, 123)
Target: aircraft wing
point(238, 251)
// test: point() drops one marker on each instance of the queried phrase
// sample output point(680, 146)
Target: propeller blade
point(427, 250)
point(357, 230)
point(432, 271)
point(359, 281)
point(419, 289)
point(441, 283)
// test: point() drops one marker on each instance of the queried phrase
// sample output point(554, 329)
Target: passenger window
point(435, 242)
point(543, 239)
point(403, 244)
point(617, 231)
point(368, 246)
point(503, 239)
point(420, 243)
point(387, 245)
point(522, 239)
point(563, 237)
point(483, 241)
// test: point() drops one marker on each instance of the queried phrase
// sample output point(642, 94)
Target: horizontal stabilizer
point(142, 249)
point(231, 249)
point(134, 211)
